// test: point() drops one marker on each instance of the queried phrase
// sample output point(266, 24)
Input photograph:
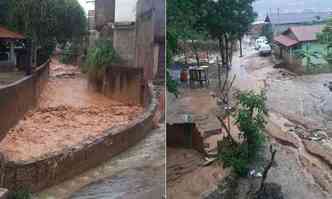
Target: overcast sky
point(124, 9)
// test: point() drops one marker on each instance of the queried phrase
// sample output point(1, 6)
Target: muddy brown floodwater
point(68, 112)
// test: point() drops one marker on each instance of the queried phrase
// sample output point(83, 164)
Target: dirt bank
point(187, 178)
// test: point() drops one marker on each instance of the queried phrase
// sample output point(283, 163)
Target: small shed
point(8, 59)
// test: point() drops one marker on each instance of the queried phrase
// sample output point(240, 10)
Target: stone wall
point(38, 174)
point(19, 97)
point(184, 135)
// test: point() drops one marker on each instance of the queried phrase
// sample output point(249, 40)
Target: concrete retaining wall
point(185, 135)
point(124, 84)
point(38, 174)
point(124, 38)
point(19, 97)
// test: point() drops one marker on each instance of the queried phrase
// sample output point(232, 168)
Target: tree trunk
point(241, 52)
point(195, 52)
point(267, 168)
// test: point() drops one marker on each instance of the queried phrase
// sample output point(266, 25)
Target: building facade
point(150, 38)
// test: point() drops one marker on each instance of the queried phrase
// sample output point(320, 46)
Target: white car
point(260, 41)
point(265, 49)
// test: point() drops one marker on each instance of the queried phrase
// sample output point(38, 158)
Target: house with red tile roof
point(295, 38)
point(8, 57)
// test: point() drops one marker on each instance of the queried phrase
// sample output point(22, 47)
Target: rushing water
point(138, 172)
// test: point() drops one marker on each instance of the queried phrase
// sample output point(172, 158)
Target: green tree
point(226, 21)
point(251, 120)
point(183, 24)
point(47, 22)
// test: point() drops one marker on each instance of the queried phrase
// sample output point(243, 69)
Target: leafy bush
point(70, 53)
point(328, 57)
point(233, 155)
point(250, 119)
point(99, 57)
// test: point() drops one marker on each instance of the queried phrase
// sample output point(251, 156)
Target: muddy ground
point(299, 107)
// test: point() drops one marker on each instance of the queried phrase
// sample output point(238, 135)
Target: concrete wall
point(124, 38)
point(38, 174)
point(150, 35)
point(184, 135)
point(19, 97)
point(289, 62)
point(105, 13)
point(124, 84)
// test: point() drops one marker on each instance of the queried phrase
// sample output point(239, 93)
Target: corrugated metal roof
point(306, 33)
point(285, 40)
point(7, 34)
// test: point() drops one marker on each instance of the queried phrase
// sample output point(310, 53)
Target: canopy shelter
point(8, 59)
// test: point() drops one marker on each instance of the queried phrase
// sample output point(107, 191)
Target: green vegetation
point(227, 21)
point(224, 21)
point(307, 54)
point(250, 118)
point(326, 38)
point(99, 58)
point(45, 22)
point(70, 53)
point(20, 194)
point(180, 20)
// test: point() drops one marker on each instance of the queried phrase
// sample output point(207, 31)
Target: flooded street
point(294, 102)
point(290, 98)
point(67, 114)
point(138, 173)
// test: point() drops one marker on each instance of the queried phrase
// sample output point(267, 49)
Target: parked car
point(260, 41)
point(265, 49)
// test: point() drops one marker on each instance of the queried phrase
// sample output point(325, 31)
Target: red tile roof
point(306, 33)
point(285, 40)
point(7, 34)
